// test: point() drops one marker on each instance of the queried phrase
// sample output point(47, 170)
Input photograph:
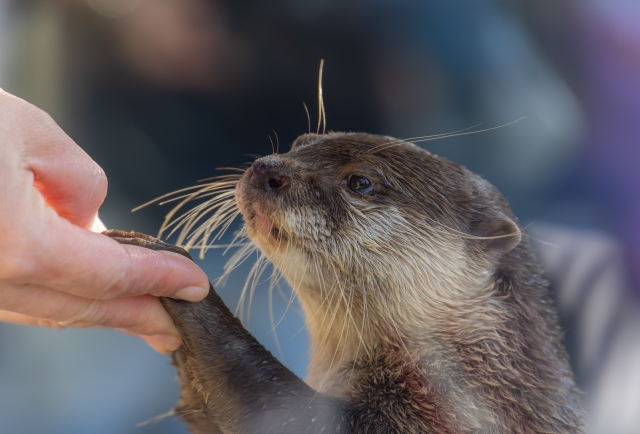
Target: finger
point(163, 344)
point(142, 315)
point(94, 266)
point(18, 318)
point(68, 179)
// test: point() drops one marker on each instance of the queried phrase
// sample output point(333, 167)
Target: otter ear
point(498, 234)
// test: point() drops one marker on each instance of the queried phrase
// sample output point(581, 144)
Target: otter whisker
point(219, 196)
point(348, 305)
point(203, 225)
point(444, 136)
point(361, 340)
point(308, 118)
point(174, 199)
point(315, 338)
point(157, 418)
point(308, 320)
point(273, 149)
point(234, 169)
point(401, 338)
point(218, 223)
point(251, 283)
point(226, 189)
point(217, 246)
point(275, 283)
point(239, 236)
point(433, 136)
point(539, 240)
point(335, 352)
point(460, 234)
point(205, 244)
point(249, 286)
point(271, 319)
point(224, 209)
point(291, 299)
point(218, 200)
point(254, 281)
point(283, 296)
point(472, 132)
point(347, 318)
point(275, 278)
point(193, 187)
point(225, 224)
point(239, 312)
point(235, 261)
point(411, 139)
point(289, 303)
point(337, 348)
point(322, 116)
point(222, 179)
point(277, 141)
point(330, 326)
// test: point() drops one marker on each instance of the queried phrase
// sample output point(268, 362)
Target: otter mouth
point(261, 217)
point(265, 226)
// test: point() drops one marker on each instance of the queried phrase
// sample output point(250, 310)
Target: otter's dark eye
point(359, 184)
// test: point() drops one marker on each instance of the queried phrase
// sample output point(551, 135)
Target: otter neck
point(344, 327)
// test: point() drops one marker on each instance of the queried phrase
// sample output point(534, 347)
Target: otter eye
point(360, 184)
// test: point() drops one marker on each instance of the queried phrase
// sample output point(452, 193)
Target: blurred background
point(162, 92)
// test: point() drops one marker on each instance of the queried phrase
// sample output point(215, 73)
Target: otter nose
point(269, 177)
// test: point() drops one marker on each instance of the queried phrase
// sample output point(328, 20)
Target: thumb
point(93, 266)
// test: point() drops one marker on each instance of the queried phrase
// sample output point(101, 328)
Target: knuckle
point(110, 280)
point(150, 272)
point(40, 116)
point(142, 321)
point(120, 279)
point(115, 287)
point(138, 271)
point(89, 314)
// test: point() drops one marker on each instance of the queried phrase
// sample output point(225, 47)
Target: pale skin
point(56, 270)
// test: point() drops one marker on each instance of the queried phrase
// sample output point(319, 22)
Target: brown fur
point(427, 310)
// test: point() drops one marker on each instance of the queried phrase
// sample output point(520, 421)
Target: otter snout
point(269, 176)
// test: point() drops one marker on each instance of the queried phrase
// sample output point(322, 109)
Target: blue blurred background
point(162, 92)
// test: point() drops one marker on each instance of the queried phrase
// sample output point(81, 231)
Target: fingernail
point(171, 342)
point(191, 293)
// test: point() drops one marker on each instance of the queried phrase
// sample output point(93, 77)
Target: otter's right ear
point(496, 234)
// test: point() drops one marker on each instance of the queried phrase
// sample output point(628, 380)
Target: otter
point(428, 305)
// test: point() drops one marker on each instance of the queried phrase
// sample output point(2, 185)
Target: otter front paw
point(229, 382)
point(191, 406)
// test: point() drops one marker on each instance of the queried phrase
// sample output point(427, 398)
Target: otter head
point(359, 222)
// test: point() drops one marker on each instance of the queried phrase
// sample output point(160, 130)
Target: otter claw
point(144, 240)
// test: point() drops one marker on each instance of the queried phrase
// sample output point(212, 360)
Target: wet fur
point(426, 308)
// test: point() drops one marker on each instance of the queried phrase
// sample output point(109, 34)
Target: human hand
point(54, 270)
